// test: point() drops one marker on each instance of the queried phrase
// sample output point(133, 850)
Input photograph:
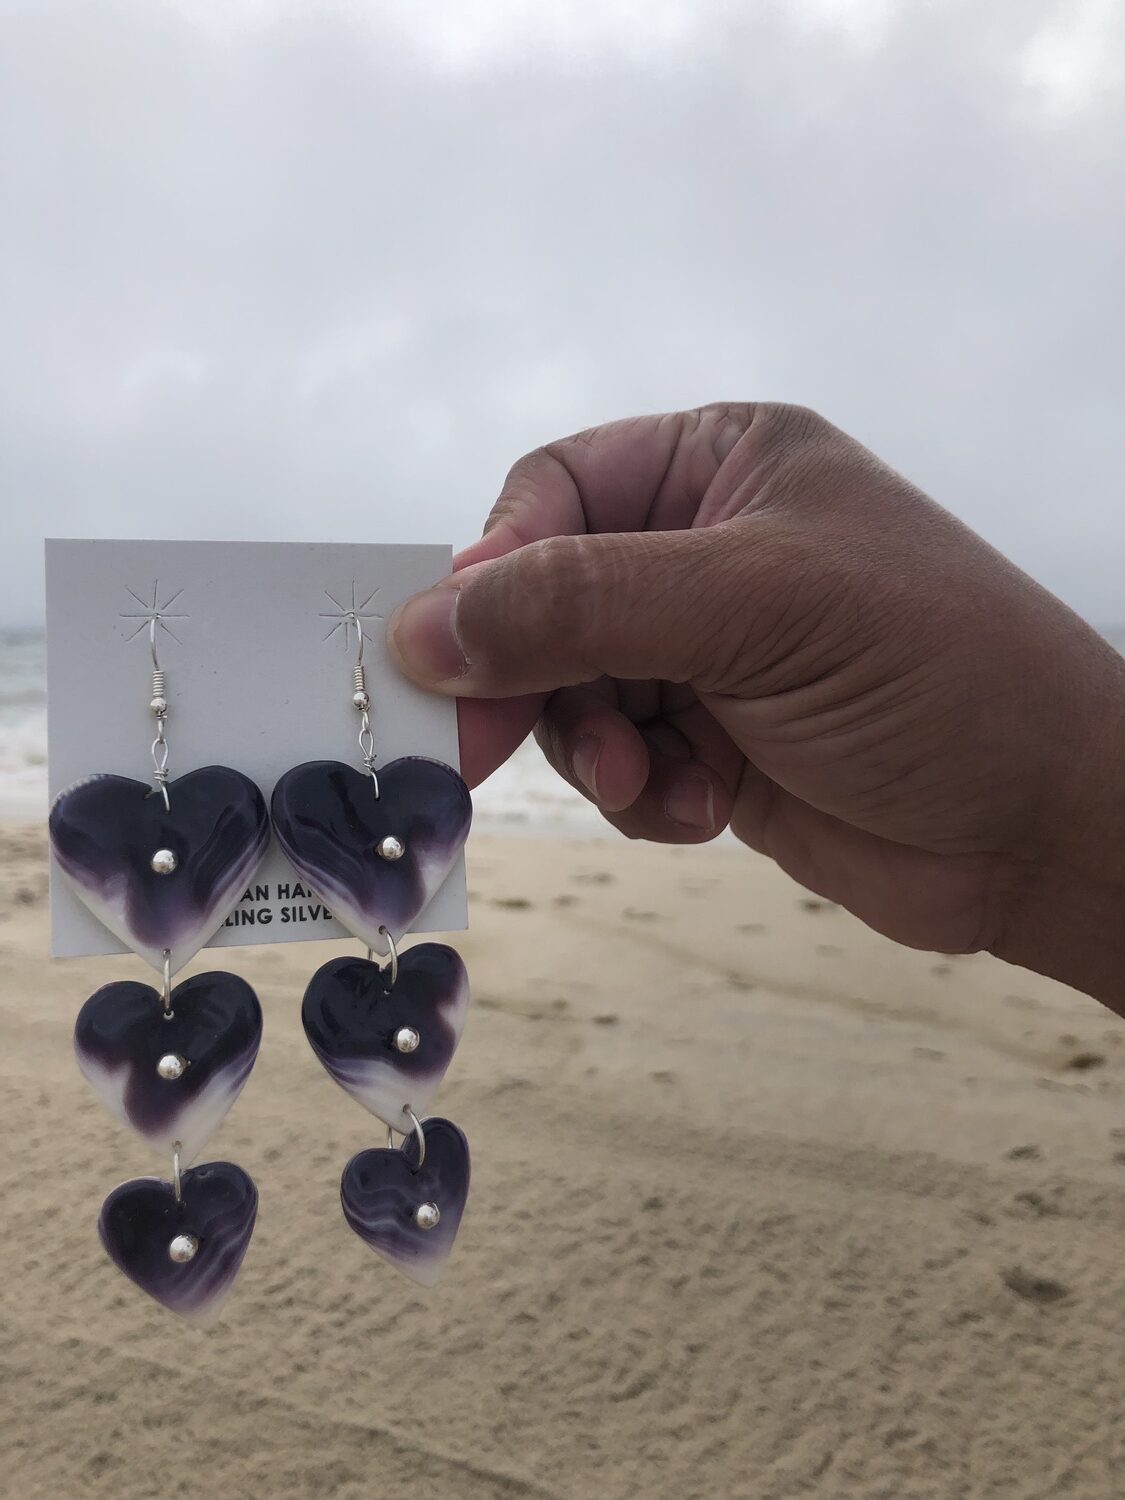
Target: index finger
point(640, 474)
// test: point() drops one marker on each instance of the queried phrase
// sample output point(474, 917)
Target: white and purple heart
point(143, 1228)
point(335, 831)
point(352, 1016)
point(383, 1189)
point(171, 1078)
point(161, 880)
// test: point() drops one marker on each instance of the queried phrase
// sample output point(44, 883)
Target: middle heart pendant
point(376, 846)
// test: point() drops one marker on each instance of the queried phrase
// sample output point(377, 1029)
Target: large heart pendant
point(185, 1254)
point(171, 1076)
point(388, 1046)
point(161, 880)
point(407, 1213)
point(375, 860)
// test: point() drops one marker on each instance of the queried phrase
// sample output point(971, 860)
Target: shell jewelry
point(376, 846)
point(162, 866)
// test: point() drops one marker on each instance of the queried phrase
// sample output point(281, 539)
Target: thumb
point(571, 609)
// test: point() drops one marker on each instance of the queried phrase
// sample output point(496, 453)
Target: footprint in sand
point(1040, 1289)
point(1082, 1062)
point(1036, 1202)
point(511, 903)
point(1022, 1002)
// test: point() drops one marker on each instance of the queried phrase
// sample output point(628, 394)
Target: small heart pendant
point(388, 1046)
point(407, 1213)
point(186, 1254)
point(161, 880)
point(170, 1077)
point(375, 860)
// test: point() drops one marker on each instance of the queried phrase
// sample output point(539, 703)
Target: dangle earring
point(376, 846)
point(162, 867)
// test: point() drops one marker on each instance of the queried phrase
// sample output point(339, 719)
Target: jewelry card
point(257, 642)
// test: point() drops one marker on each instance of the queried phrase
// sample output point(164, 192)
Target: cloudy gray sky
point(318, 270)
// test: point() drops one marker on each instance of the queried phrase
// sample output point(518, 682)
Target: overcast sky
point(323, 271)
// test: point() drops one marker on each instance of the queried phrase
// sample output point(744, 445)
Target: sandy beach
point(762, 1207)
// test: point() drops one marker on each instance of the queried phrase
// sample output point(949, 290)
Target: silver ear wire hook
point(156, 617)
point(348, 618)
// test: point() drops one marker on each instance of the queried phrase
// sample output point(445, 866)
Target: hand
point(739, 615)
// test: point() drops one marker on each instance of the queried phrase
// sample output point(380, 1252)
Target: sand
point(762, 1207)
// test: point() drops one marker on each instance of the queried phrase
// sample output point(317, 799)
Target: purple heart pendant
point(184, 1254)
point(388, 1045)
point(162, 880)
point(170, 1075)
point(408, 1213)
point(376, 860)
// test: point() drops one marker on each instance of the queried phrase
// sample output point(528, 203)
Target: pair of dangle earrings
point(162, 866)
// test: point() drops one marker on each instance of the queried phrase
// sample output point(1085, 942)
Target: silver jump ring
point(419, 1136)
point(166, 985)
point(176, 1186)
point(394, 955)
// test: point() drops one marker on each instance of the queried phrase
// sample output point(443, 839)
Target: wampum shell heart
point(330, 823)
point(214, 1025)
point(140, 1219)
point(351, 1014)
point(382, 1188)
point(106, 829)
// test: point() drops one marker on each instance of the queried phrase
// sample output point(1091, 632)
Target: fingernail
point(423, 632)
point(584, 763)
point(691, 802)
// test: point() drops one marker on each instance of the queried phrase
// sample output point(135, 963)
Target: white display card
point(252, 683)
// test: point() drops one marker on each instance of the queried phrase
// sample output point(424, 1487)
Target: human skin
point(738, 615)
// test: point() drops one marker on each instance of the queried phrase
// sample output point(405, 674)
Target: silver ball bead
point(391, 848)
point(183, 1248)
point(427, 1216)
point(159, 707)
point(164, 861)
point(406, 1039)
point(171, 1065)
point(361, 700)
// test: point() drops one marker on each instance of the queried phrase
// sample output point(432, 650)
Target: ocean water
point(23, 723)
point(523, 794)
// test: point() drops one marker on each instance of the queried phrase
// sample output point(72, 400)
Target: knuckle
point(553, 579)
point(788, 424)
point(576, 586)
point(519, 496)
point(524, 605)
